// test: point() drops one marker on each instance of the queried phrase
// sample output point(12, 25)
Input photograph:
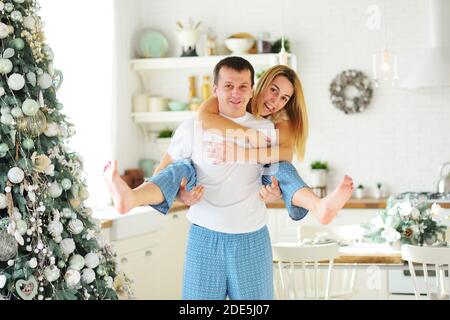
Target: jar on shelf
point(192, 88)
point(206, 90)
point(263, 44)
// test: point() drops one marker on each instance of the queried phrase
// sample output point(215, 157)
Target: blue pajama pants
point(169, 179)
point(220, 265)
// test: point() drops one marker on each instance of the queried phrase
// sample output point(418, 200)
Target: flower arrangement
point(408, 221)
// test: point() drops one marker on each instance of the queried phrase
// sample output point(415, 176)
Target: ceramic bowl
point(239, 45)
point(177, 105)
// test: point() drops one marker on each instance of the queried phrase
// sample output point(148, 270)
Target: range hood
point(432, 68)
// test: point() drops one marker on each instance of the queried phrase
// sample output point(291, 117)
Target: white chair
point(437, 256)
point(290, 255)
point(343, 285)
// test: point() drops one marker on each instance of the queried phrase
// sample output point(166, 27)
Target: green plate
point(152, 44)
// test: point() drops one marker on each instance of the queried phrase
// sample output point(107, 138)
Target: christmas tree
point(50, 246)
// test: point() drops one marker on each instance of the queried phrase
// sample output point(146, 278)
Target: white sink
point(138, 221)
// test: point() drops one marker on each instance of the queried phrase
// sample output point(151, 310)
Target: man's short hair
point(236, 63)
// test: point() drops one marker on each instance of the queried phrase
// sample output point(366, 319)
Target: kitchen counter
point(365, 203)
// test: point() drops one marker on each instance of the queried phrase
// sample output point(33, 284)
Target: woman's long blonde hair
point(295, 107)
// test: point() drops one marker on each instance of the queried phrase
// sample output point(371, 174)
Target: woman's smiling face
point(276, 96)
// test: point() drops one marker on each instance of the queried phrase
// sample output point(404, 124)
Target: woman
point(279, 97)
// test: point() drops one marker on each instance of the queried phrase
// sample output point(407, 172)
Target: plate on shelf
point(152, 44)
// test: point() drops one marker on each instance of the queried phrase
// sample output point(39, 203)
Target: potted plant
point(319, 172)
point(379, 191)
point(359, 191)
point(163, 140)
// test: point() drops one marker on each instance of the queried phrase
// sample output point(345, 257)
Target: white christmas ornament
point(4, 30)
point(33, 263)
point(16, 112)
point(91, 260)
point(2, 91)
point(3, 202)
point(83, 193)
point(55, 190)
point(7, 119)
point(75, 226)
point(29, 22)
point(16, 81)
point(21, 226)
point(30, 107)
point(55, 228)
point(72, 277)
point(16, 16)
point(67, 246)
point(2, 6)
point(66, 213)
point(6, 66)
point(76, 262)
point(45, 81)
point(16, 175)
point(51, 273)
point(88, 275)
point(52, 129)
point(2, 281)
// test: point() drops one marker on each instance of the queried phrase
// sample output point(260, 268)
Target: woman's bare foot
point(329, 206)
point(120, 192)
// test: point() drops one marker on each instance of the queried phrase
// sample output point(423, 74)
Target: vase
point(318, 178)
point(359, 193)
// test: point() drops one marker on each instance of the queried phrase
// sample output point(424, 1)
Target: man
point(228, 249)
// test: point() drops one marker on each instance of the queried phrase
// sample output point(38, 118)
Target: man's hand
point(190, 197)
point(270, 193)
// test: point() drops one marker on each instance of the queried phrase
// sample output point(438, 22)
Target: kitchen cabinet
point(154, 261)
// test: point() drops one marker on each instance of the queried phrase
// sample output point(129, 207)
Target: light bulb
point(385, 67)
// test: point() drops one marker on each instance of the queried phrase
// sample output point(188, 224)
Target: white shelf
point(162, 117)
point(266, 59)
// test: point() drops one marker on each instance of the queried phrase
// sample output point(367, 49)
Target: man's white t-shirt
point(231, 202)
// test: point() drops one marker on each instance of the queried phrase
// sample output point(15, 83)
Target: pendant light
point(384, 62)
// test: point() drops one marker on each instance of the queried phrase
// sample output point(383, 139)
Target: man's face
point(234, 91)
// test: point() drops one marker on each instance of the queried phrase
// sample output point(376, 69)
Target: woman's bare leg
point(125, 198)
point(325, 208)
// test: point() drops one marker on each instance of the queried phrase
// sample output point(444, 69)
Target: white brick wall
point(402, 137)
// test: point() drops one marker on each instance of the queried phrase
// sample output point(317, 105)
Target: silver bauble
point(16, 81)
point(16, 175)
point(76, 262)
point(55, 228)
point(75, 226)
point(67, 246)
point(72, 277)
point(88, 275)
point(55, 190)
point(8, 246)
point(3, 201)
point(51, 273)
point(45, 81)
point(92, 260)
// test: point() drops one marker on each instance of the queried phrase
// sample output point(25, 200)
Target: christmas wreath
point(338, 92)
